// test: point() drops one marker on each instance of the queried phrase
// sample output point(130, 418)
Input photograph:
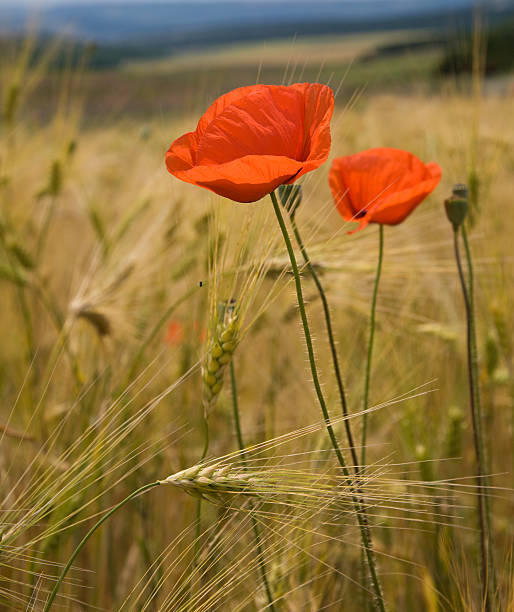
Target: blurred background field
point(105, 323)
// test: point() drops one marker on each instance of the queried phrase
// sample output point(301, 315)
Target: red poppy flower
point(253, 139)
point(174, 333)
point(381, 185)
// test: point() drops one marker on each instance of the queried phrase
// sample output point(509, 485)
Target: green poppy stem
point(481, 433)
point(475, 419)
point(331, 341)
point(240, 442)
point(366, 540)
point(367, 380)
point(81, 544)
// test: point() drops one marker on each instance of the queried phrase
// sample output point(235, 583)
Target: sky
point(111, 20)
point(47, 3)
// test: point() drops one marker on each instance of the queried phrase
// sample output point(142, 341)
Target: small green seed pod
point(460, 190)
point(456, 210)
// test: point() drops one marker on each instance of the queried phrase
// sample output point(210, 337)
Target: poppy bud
point(290, 197)
point(460, 190)
point(457, 206)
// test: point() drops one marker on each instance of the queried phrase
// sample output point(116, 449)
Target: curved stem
point(88, 535)
point(370, 344)
point(235, 409)
point(59, 321)
point(239, 435)
point(45, 226)
point(365, 536)
point(476, 434)
point(331, 341)
point(478, 407)
point(24, 307)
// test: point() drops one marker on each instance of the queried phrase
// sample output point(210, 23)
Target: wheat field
point(112, 274)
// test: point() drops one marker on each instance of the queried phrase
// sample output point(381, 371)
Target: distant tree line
point(499, 51)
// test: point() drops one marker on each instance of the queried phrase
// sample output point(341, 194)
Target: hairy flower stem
point(81, 544)
point(367, 380)
point(239, 435)
point(475, 419)
point(365, 536)
point(481, 433)
point(331, 341)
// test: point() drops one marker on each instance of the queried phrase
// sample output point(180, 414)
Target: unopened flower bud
point(460, 190)
point(456, 205)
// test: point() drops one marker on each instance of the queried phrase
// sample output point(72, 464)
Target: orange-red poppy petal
point(248, 178)
point(254, 139)
point(381, 185)
point(263, 123)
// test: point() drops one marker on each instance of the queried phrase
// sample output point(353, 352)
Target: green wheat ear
point(225, 340)
point(213, 481)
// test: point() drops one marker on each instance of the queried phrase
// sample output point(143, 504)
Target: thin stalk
point(367, 380)
point(81, 544)
point(45, 227)
point(239, 435)
point(59, 321)
point(198, 528)
point(331, 341)
point(24, 307)
point(478, 406)
point(476, 436)
point(365, 535)
point(342, 395)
